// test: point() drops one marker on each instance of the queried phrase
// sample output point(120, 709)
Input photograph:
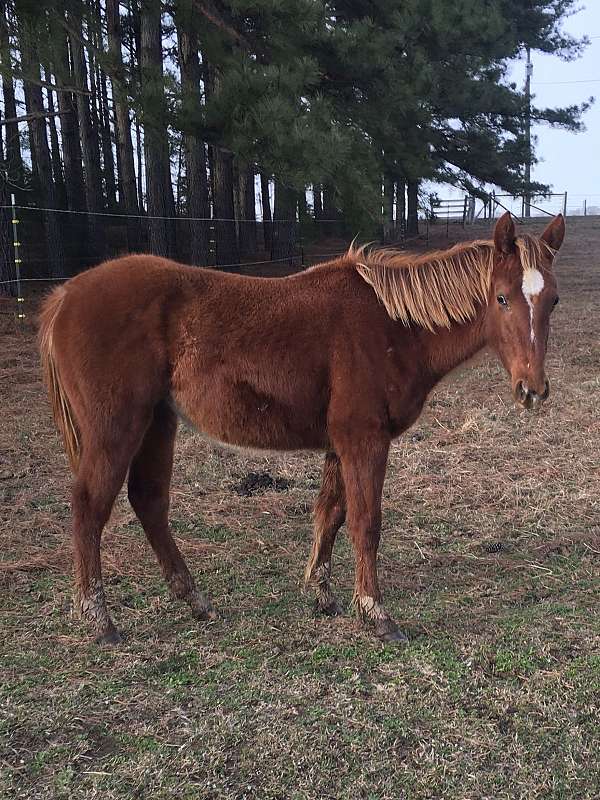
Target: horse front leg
point(363, 469)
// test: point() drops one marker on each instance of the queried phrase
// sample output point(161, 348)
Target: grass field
point(489, 558)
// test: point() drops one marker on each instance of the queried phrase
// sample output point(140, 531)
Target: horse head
point(523, 294)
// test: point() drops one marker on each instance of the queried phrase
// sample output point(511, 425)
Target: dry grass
point(489, 558)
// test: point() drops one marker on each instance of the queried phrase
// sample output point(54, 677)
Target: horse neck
point(447, 349)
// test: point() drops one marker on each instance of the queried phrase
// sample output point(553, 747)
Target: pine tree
point(190, 122)
point(69, 122)
point(29, 25)
point(128, 196)
point(159, 191)
point(247, 213)
point(12, 160)
point(88, 134)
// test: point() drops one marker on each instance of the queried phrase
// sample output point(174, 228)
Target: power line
point(564, 83)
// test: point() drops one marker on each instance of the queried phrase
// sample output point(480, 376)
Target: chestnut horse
point(339, 358)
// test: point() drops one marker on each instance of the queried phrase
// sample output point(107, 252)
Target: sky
point(568, 162)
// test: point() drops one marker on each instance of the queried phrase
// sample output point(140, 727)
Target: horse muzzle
point(529, 398)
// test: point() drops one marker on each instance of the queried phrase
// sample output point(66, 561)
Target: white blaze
point(533, 283)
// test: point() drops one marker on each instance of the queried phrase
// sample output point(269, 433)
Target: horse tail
point(61, 405)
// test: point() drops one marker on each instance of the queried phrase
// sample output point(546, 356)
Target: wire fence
point(39, 245)
point(469, 209)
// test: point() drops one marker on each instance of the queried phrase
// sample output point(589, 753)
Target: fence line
point(118, 215)
point(45, 245)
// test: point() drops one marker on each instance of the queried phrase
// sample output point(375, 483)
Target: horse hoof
point(332, 609)
point(389, 633)
point(204, 611)
point(109, 637)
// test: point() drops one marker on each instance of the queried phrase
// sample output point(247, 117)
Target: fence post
point(565, 205)
point(212, 244)
point(585, 207)
point(16, 245)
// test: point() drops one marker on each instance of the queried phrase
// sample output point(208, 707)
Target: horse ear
point(504, 234)
point(554, 233)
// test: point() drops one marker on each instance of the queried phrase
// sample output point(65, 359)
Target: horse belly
point(238, 414)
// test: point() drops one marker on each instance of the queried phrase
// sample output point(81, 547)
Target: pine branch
point(206, 8)
point(35, 115)
point(20, 76)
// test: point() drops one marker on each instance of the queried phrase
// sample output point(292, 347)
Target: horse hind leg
point(99, 478)
point(329, 515)
point(148, 490)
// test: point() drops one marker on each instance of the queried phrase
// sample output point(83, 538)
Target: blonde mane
point(435, 289)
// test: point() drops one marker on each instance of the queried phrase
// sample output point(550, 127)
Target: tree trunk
point(89, 140)
point(284, 225)
point(330, 212)
point(223, 204)
point(35, 181)
point(388, 208)
point(101, 110)
point(37, 127)
point(302, 207)
point(266, 212)
point(401, 205)
point(223, 183)
point(7, 267)
point(317, 202)
point(412, 226)
point(13, 159)
point(69, 128)
point(90, 149)
point(154, 119)
point(198, 206)
point(57, 167)
point(106, 139)
point(247, 222)
point(128, 196)
point(135, 46)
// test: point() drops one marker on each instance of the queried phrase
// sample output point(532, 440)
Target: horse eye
point(502, 300)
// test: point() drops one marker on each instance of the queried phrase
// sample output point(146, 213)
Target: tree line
point(189, 108)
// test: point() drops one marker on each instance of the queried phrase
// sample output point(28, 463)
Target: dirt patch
point(255, 482)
